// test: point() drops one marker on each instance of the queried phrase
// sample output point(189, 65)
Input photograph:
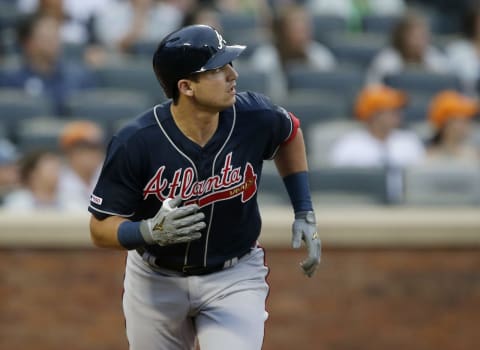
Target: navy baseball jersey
point(150, 160)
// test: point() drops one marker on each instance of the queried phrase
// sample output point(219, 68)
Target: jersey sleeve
point(283, 126)
point(118, 190)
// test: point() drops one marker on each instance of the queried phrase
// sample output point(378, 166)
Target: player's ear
point(185, 87)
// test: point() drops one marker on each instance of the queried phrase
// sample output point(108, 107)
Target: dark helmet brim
point(222, 58)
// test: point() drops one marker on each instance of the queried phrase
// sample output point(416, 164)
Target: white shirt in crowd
point(389, 61)
point(114, 22)
point(346, 8)
point(74, 30)
point(465, 62)
point(23, 200)
point(360, 149)
point(74, 192)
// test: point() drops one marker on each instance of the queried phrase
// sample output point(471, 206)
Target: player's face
point(216, 88)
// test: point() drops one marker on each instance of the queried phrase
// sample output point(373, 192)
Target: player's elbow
point(96, 233)
point(95, 236)
point(103, 233)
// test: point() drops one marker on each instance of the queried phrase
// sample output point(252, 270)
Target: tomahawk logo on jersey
point(220, 177)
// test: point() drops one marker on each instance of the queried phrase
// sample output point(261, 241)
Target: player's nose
point(232, 73)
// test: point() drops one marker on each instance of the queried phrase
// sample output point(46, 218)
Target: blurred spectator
point(39, 173)
point(380, 143)
point(76, 25)
point(293, 45)
point(76, 18)
point(9, 176)
point(82, 143)
point(409, 48)
point(353, 11)
point(464, 53)
point(203, 15)
point(43, 72)
point(126, 23)
point(248, 7)
point(450, 115)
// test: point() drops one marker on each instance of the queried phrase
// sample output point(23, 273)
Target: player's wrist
point(308, 216)
point(130, 236)
point(299, 191)
point(145, 228)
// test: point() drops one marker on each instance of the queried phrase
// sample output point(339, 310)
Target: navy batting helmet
point(189, 50)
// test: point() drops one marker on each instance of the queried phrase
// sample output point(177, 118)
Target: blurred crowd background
point(386, 90)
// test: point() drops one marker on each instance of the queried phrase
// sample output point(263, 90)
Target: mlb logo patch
point(95, 199)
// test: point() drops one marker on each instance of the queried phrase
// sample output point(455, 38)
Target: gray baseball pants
point(222, 310)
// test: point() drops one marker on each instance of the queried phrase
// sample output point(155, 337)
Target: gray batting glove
point(173, 224)
point(305, 228)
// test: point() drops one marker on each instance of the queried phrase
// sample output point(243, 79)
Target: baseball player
point(178, 190)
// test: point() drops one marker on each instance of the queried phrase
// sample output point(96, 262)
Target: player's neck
point(198, 125)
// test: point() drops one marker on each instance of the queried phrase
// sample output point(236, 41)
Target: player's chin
point(229, 101)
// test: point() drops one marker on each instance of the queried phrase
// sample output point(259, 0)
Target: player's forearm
point(104, 233)
point(292, 165)
point(291, 157)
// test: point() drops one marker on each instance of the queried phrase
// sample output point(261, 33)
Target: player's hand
point(173, 224)
point(305, 228)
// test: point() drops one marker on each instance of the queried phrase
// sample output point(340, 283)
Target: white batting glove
point(305, 228)
point(173, 224)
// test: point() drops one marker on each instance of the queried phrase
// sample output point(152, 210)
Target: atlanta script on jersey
point(150, 160)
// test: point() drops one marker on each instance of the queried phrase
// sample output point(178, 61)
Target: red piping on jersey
point(295, 126)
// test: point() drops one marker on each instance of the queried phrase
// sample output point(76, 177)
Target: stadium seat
point(107, 106)
point(73, 52)
point(251, 80)
point(237, 27)
point(41, 132)
point(9, 14)
point(342, 81)
point(381, 24)
point(144, 48)
point(3, 130)
point(416, 110)
point(422, 82)
point(447, 184)
point(136, 75)
point(355, 49)
point(349, 186)
point(324, 25)
point(475, 134)
point(319, 108)
point(8, 43)
point(16, 105)
point(444, 23)
point(252, 42)
point(271, 189)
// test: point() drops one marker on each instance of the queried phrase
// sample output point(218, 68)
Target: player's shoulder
point(249, 101)
point(255, 105)
point(143, 123)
